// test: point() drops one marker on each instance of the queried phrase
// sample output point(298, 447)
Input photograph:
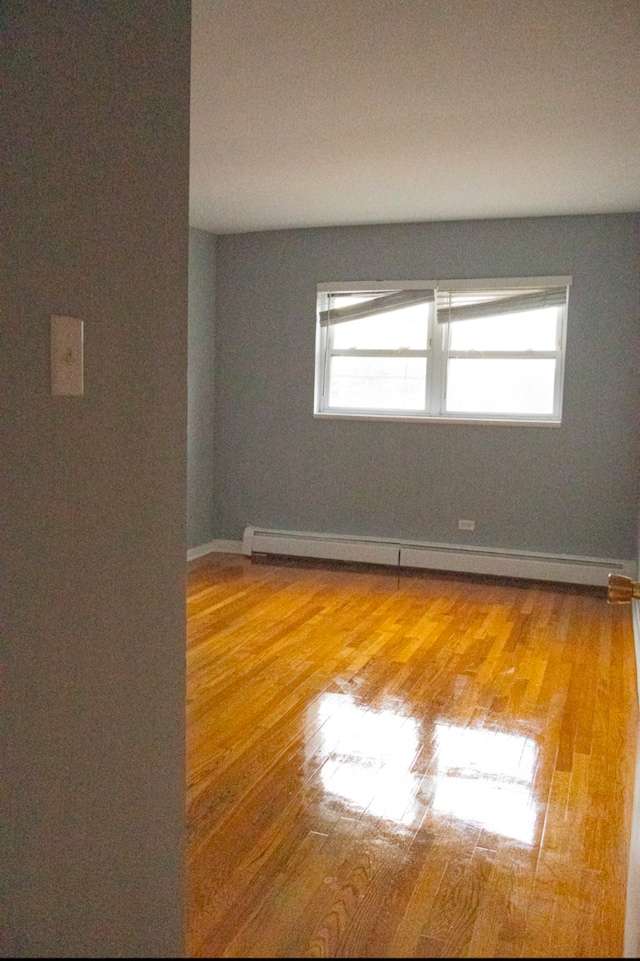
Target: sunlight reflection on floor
point(369, 763)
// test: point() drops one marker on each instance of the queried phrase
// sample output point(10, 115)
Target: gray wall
point(571, 489)
point(96, 142)
point(201, 381)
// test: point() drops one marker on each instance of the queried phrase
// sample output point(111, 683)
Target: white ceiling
point(322, 112)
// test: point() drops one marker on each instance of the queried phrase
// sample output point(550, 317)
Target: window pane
point(500, 386)
point(527, 330)
point(378, 383)
point(405, 328)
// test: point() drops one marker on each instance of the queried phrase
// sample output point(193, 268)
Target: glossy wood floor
point(405, 765)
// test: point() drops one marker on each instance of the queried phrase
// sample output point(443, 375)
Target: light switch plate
point(67, 361)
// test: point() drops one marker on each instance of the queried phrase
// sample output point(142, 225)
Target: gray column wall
point(95, 225)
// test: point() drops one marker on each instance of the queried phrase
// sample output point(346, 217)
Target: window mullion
point(436, 369)
point(323, 343)
point(558, 386)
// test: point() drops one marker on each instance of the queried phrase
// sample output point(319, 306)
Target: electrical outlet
point(466, 525)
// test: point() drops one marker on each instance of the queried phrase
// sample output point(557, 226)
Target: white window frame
point(438, 354)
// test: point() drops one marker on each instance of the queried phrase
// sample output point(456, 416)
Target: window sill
point(486, 421)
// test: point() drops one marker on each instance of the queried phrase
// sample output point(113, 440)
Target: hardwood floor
point(386, 764)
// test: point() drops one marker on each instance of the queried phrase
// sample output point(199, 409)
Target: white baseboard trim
point(217, 547)
point(445, 557)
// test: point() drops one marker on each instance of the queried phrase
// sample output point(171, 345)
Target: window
point(448, 350)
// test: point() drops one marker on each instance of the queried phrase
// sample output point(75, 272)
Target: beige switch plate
point(67, 360)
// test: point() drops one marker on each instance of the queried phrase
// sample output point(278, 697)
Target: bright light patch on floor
point(481, 777)
point(476, 751)
point(369, 756)
point(492, 781)
point(351, 729)
point(380, 789)
point(505, 809)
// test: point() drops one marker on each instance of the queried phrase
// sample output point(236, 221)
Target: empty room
point(413, 419)
point(321, 506)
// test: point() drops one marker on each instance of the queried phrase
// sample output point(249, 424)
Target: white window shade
point(455, 305)
point(375, 303)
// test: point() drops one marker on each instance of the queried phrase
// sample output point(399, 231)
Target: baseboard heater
point(441, 557)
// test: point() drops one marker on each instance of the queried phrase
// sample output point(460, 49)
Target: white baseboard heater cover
point(443, 557)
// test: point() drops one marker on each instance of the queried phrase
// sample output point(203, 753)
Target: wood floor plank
point(405, 764)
